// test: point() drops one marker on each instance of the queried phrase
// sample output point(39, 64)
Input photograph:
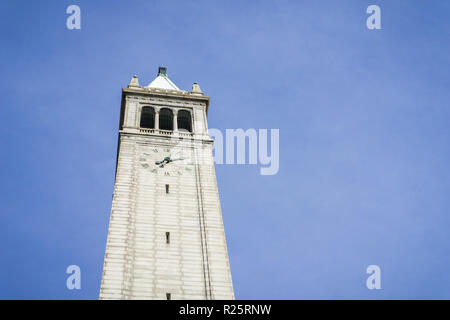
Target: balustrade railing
point(165, 132)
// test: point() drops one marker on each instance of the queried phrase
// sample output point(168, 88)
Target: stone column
point(175, 120)
point(156, 119)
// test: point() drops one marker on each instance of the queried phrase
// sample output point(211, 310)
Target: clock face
point(167, 161)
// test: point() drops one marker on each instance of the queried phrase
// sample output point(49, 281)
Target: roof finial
point(196, 89)
point(162, 71)
point(134, 82)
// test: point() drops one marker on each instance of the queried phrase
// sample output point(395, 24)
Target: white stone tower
point(166, 238)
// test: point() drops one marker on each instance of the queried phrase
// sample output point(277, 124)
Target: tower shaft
point(166, 237)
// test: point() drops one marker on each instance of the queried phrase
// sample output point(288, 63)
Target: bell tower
point(166, 237)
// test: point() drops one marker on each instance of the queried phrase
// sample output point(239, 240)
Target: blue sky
point(364, 139)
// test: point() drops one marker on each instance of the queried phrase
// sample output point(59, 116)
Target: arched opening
point(184, 121)
point(165, 119)
point(147, 118)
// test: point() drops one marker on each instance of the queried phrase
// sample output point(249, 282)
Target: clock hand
point(163, 162)
point(167, 160)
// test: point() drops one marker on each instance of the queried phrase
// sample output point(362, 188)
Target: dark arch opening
point(147, 118)
point(184, 121)
point(165, 119)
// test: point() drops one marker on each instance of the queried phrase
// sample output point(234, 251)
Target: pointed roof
point(162, 81)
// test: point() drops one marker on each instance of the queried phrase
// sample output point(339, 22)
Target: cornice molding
point(164, 96)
